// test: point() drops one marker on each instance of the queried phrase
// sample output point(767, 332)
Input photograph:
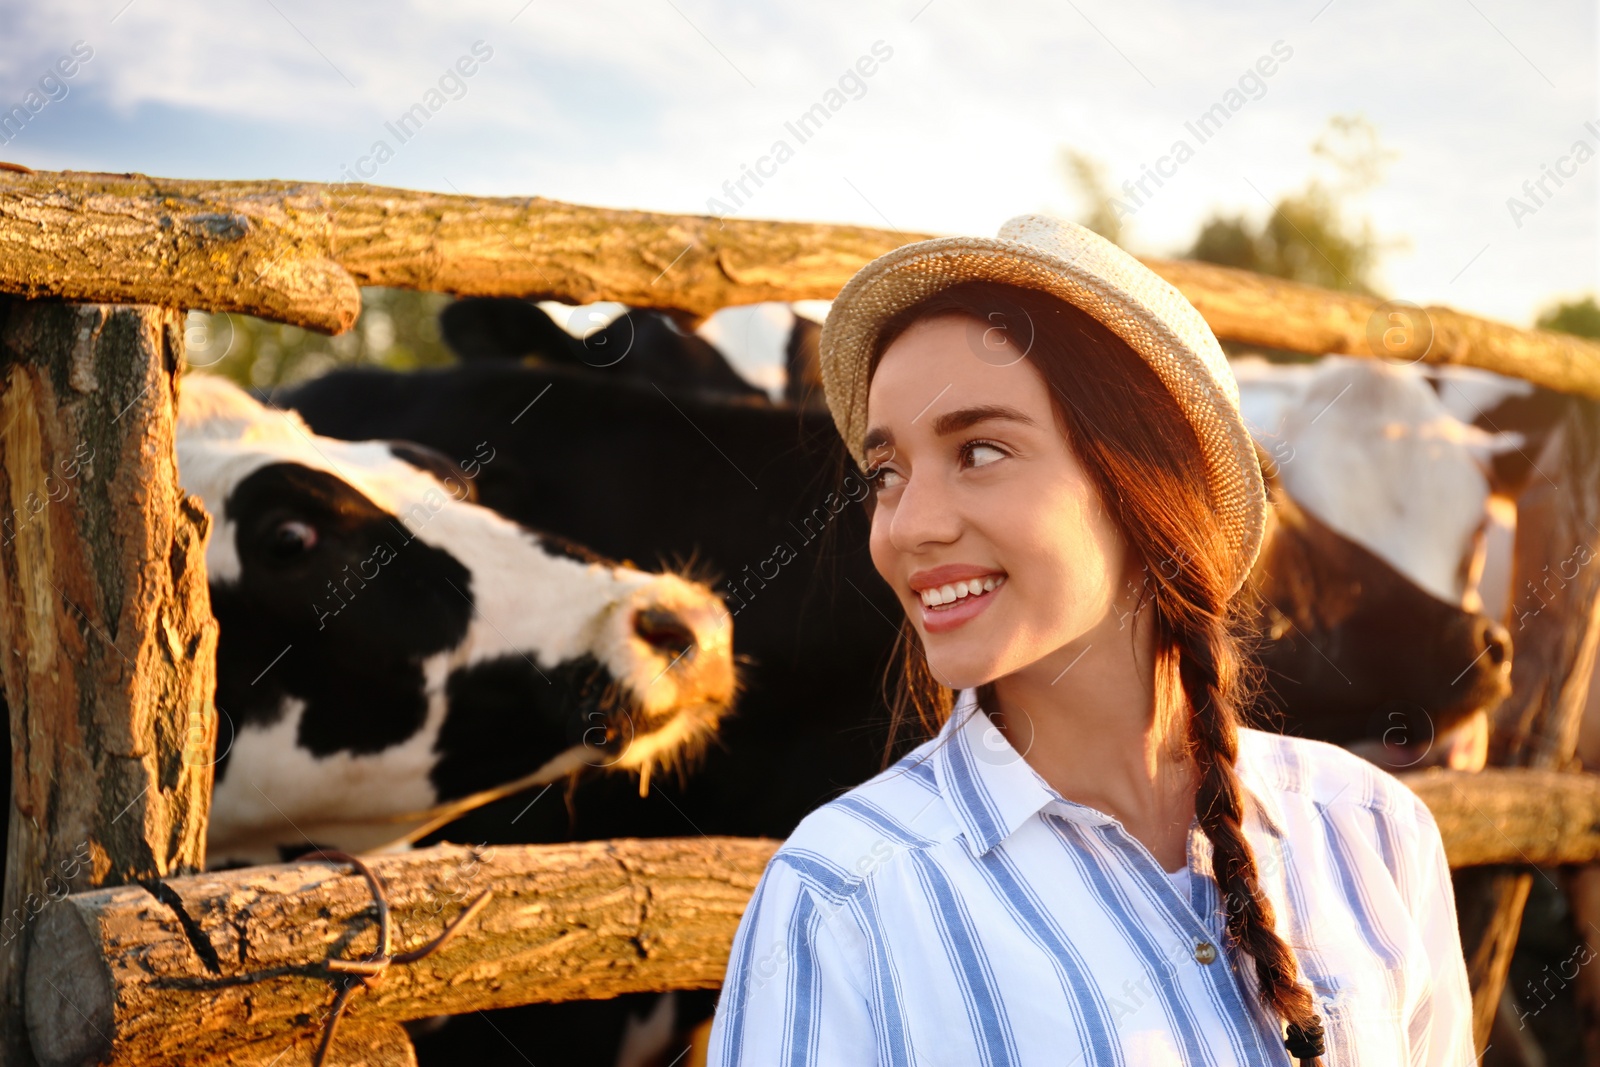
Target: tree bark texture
point(232, 963)
point(1505, 816)
point(297, 252)
point(105, 618)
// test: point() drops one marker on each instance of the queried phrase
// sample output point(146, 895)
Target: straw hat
point(1084, 269)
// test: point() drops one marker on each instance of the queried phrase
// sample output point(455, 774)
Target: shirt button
point(1204, 951)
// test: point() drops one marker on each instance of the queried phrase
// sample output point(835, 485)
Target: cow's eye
point(292, 538)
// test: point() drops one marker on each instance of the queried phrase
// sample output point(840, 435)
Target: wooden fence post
point(105, 618)
point(1554, 616)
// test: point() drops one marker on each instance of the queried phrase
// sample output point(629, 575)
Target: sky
point(960, 124)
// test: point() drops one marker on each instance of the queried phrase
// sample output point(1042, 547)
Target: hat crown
point(1046, 232)
point(1079, 249)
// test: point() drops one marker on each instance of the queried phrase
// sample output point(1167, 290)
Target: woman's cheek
point(881, 551)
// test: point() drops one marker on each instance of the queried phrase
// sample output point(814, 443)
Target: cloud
point(654, 104)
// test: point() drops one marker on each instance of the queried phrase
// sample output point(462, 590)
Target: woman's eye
point(972, 454)
point(881, 478)
point(981, 453)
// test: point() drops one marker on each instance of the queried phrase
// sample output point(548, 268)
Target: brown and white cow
point(1373, 450)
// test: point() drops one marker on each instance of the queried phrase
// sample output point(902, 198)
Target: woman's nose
point(924, 513)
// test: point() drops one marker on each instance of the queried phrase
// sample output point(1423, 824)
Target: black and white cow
point(665, 477)
point(684, 461)
point(639, 345)
point(391, 653)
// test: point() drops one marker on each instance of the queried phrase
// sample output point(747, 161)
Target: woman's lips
point(945, 617)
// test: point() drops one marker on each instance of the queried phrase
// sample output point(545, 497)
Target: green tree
point(397, 328)
point(1088, 175)
point(1581, 317)
point(1307, 238)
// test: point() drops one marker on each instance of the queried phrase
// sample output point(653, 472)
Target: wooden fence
point(116, 949)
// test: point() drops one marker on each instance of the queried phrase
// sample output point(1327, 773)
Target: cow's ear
point(495, 327)
point(456, 481)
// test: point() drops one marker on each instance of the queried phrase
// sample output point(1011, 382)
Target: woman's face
point(980, 496)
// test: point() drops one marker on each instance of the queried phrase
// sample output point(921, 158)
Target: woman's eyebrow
point(951, 422)
point(961, 418)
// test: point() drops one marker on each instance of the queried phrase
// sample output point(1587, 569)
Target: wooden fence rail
point(229, 966)
point(233, 962)
point(298, 252)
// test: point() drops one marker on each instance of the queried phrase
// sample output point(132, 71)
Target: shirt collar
point(992, 790)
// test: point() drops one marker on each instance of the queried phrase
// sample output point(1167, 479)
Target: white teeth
point(949, 594)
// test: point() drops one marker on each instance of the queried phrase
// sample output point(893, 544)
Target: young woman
point(1090, 861)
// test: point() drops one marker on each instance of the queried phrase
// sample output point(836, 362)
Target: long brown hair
point(1144, 459)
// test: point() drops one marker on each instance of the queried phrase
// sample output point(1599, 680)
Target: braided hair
point(1144, 459)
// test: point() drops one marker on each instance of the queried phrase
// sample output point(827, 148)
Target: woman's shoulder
point(1300, 770)
point(841, 844)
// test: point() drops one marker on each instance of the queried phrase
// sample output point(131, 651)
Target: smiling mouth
point(945, 597)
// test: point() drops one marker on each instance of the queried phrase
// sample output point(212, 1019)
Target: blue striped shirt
point(955, 909)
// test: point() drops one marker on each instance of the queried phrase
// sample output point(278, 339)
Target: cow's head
point(1365, 657)
point(391, 653)
point(1371, 449)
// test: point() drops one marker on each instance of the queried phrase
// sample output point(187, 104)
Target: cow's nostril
point(663, 630)
point(1496, 641)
